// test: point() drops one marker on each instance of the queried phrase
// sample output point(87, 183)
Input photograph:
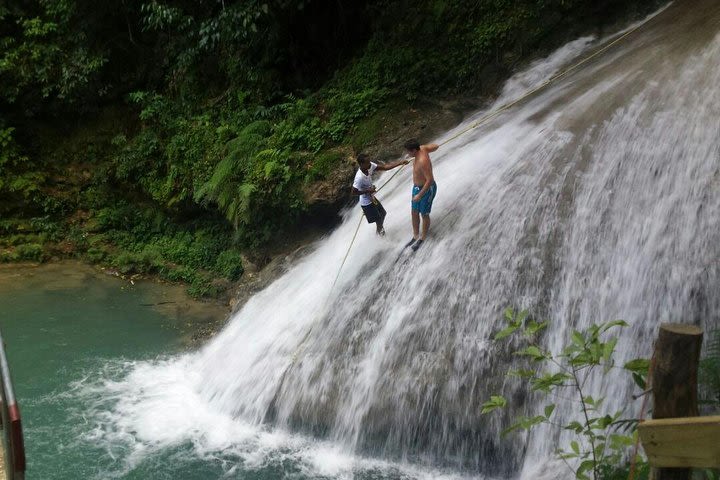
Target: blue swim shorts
point(425, 204)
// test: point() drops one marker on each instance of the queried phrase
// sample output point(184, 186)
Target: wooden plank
point(682, 442)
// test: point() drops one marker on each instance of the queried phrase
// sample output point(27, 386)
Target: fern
point(229, 186)
point(709, 372)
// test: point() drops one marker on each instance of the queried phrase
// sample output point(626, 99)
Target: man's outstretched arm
point(391, 165)
point(430, 147)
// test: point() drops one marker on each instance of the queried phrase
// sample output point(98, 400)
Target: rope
point(489, 116)
point(648, 389)
point(484, 119)
point(547, 82)
point(357, 229)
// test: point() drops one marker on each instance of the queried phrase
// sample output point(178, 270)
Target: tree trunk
point(674, 381)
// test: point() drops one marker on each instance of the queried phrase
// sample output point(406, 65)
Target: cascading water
point(597, 199)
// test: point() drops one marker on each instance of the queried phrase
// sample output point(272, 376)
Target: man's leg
point(380, 217)
point(416, 224)
point(425, 225)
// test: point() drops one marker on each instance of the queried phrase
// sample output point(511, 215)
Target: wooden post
point(674, 381)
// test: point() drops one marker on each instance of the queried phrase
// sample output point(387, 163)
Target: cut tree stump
point(674, 385)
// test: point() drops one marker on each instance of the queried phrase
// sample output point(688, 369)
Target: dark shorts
point(424, 206)
point(374, 212)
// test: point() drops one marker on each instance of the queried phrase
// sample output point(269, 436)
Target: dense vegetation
point(169, 136)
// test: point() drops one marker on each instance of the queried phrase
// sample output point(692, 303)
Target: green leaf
point(566, 455)
point(638, 365)
point(639, 380)
point(521, 373)
point(495, 402)
point(525, 423)
point(618, 442)
point(575, 447)
point(609, 348)
point(615, 323)
point(532, 351)
point(509, 314)
point(587, 465)
point(534, 327)
point(549, 409)
point(506, 332)
point(575, 426)
point(599, 449)
point(578, 339)
point(546, 382)
point(604, 422)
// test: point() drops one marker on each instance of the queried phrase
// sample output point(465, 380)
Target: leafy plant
point(709, 372)
point(601, 437)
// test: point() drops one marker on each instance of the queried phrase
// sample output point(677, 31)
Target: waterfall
point(597, 199)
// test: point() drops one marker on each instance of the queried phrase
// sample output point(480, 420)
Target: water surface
point(68, 325)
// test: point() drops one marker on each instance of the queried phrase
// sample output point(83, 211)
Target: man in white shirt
point(363, 186)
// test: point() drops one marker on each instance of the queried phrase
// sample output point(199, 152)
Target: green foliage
point(709, 372)
point(601, 444)
point(234, 108)
point(229, 264)
point(710, 474)
point(19, 181)
point(202, 286)
point(322, 164)
point(47, 56)
point(30, 251)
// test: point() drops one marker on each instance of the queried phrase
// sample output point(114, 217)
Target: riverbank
point(170, 301)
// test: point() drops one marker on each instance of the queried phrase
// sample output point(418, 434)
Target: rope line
point(547, 82)
point(357, 229)
point(489, 116)
point(484, 119)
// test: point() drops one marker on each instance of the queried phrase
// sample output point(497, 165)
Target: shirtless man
point(424, 189)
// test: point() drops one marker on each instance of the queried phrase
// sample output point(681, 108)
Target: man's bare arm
point(355, 192)
point(391, 165)
point(430, 147)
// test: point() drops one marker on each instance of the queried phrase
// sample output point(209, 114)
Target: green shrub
point(323, 163)
point(601, 441)
point(146, 261)
point(8, 256)
point(179, 274)
point(95, 255)
point(202, 286)
point(709, 372)
point(30, 251)
point(229, 265)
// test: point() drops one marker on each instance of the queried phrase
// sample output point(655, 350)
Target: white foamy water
point(594, 200)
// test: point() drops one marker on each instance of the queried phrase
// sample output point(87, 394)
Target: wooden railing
point(13, 444)
point(677, 439)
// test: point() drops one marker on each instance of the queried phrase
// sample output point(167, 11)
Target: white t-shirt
point(364, 183)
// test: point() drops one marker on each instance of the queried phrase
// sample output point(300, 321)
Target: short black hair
point(412, 144)
point(361, 158)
